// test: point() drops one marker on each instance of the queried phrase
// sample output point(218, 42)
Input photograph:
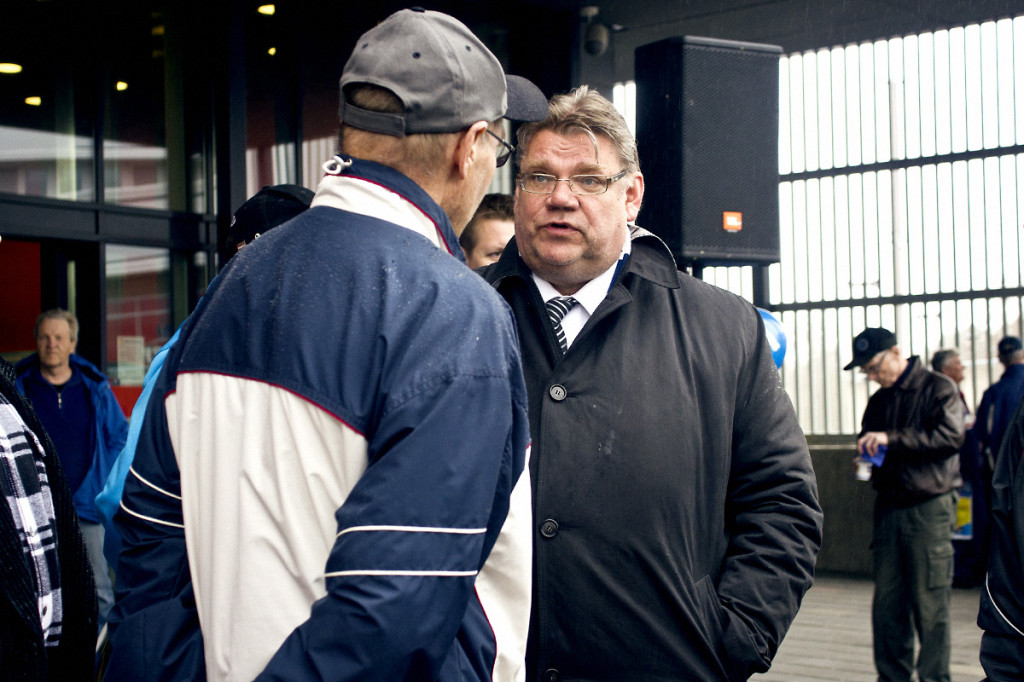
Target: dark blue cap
point(1010, 345)
point(870, 343)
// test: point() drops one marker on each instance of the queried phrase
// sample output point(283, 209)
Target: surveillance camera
point(595, 41)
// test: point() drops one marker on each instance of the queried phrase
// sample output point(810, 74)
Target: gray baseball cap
point(445, 77)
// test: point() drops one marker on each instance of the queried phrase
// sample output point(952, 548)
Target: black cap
point(1009, 346)
point(271, 206)
point(870, 343)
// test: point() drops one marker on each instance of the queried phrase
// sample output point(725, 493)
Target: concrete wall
point(847, 504)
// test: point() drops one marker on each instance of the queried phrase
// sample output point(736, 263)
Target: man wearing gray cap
point(334, 484)
point(912, 429)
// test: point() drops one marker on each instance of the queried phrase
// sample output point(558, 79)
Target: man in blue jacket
point(83, 419)
point(333, 480)
point(1000, 400)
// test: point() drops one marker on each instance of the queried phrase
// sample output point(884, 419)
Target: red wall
point(20, 300)
point(126, 397)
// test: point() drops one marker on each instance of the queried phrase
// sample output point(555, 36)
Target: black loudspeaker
point(707, 114)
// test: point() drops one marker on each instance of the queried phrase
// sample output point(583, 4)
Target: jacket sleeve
point(941, 432)
point(773, 517)
point(984, 419)
point(1001, 613)
point(109, 498)
point(412, 535)
point(154, 624)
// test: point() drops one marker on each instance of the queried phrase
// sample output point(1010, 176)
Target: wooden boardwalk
point(830, 640)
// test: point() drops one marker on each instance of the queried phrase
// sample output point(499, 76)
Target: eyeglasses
point(876, 365)
point(502, 156)
point(583, 185)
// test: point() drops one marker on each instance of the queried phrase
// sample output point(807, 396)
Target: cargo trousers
point(912, 551)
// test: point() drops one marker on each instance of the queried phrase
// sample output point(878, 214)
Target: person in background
point(489, 230)
point(947, 361)
point(970, 552)
point(917, 417)
point(83, 419)
point(265, 210)
point(676, 513)
point(1000, 400)
point(333, 480)
point(47, 594)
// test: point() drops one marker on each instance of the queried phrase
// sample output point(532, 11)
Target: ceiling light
point(8, 67)
point(33, 101)
point(121, 86)
point(272, 51)
point(266, 9)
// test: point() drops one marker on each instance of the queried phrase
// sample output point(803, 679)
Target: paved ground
point(830, 641)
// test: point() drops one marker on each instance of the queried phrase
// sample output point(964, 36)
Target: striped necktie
point(557, 308)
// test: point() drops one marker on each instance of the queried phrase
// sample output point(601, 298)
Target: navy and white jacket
point(334, 483)
point(1001, 611)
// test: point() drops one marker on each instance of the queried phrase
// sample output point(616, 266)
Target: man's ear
point(634, 197)
point(467, 148)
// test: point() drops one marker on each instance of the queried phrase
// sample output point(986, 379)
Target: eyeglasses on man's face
point(502, 155)
point(873, 367)
point(583, 185)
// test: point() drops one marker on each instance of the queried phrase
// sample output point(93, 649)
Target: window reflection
point(271, 97)
point(46, 114)
point(135, 162)
point(138, 309)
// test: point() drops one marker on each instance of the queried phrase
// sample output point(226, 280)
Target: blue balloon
point(776, 336)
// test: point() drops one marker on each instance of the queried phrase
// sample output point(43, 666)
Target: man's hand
point(869, 442)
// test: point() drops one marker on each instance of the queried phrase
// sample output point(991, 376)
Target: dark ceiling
point(795, 25)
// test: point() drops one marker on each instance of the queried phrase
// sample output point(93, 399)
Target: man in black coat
point(47, 596)
point(676, 520)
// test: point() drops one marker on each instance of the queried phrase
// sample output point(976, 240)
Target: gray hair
point(943, 358)
point(586, 111)
point(58, 314)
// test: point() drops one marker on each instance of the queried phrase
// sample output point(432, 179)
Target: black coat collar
point(649, 258)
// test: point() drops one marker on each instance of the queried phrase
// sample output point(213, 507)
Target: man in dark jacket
point(676, 520)
point(1001, 615)
point(1000, 400)
point(912, 428)
point(47, 597)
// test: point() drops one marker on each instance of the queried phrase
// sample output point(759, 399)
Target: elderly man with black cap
point(912, 430)
point(334, 482)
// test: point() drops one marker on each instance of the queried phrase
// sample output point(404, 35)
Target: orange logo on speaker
point(732, 221)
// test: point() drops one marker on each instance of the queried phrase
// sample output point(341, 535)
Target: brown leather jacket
point(923, 418)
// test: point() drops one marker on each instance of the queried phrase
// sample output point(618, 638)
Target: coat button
point(552, 675)
point(549, 528)
point(557, 392)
